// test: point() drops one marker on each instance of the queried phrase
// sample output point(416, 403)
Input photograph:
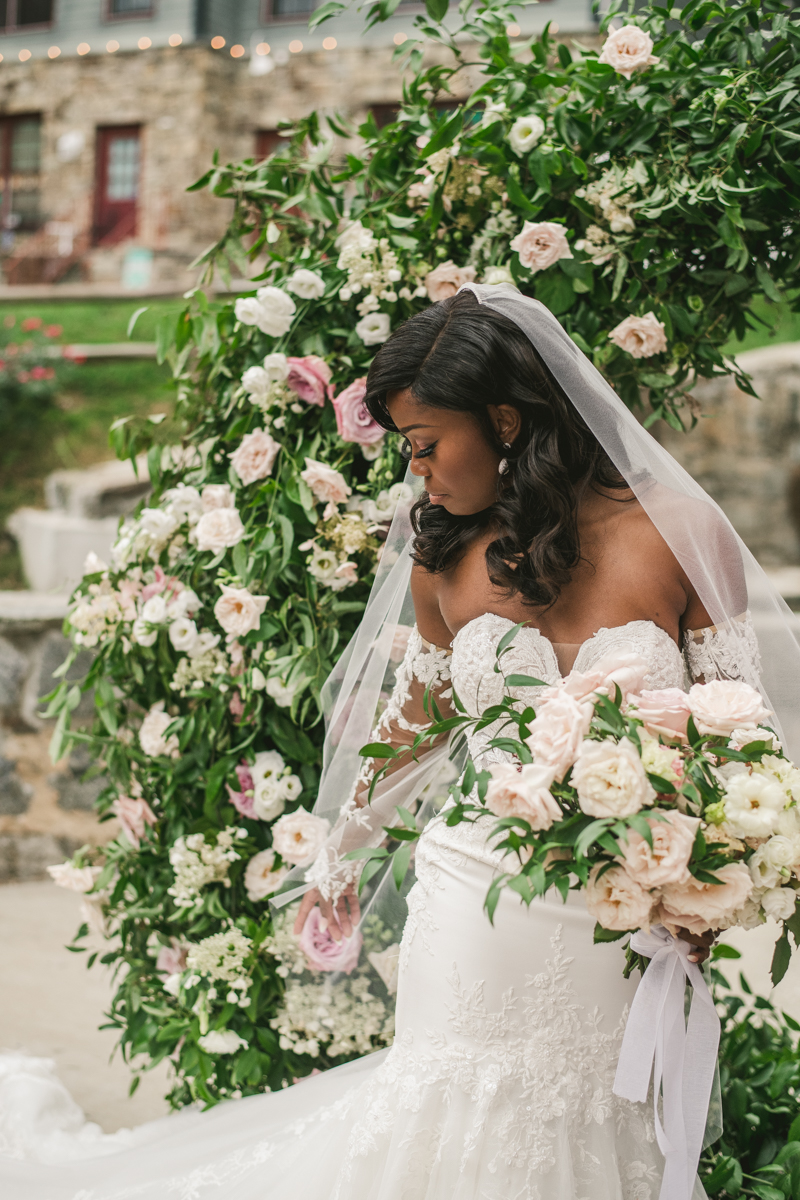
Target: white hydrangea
point(348, 1019)
point(222, 956)
point(151, 733)
point(221, 1041)
point(197, 863)
point(97, 614)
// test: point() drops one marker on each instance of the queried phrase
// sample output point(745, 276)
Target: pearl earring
point(502, 466)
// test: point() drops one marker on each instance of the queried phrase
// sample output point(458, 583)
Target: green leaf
point(324, 13)
point(723, 951)
point(378, 750)
point(523, 681)
point(437, 9)
point(780, 959)
point(554, 289)
point(608, 935)
point(400, 863)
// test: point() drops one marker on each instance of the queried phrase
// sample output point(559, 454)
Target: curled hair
point(462, 356)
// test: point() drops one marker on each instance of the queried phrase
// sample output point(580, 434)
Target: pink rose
point(244, 776)
point(352, 419)
point(558, 731)
point(628, 49)
point(446, 279)
point(539, 244)
point(700, 906)
point(235, 706)
point(616, 901)
point(133, 814)
point(665, 711)
point(668, 860)
point(723, 705)
point(323, 953)
point(156, 587)
point(325, 482)
point(171, 959)
point(622, 668)
point(525, 793)
point(242, 802)
point(310, 378)
point(255, 456)
point(641, 337)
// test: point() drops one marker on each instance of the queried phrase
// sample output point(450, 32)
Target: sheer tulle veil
point(726, 576)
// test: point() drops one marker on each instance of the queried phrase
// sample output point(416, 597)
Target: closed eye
point(407, 452)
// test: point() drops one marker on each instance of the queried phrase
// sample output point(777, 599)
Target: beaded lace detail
point(724, 652)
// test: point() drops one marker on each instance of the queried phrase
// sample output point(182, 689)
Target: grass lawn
point(75, 433)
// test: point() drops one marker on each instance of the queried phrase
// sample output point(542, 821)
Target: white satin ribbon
point(682, 1057)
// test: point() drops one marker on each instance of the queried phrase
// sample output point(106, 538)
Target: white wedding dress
point(499, 1083)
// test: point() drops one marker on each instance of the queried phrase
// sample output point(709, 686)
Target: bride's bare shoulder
point(425, 594)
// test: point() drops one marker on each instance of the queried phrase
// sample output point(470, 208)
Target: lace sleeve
point(424, 666)
point(724, 652)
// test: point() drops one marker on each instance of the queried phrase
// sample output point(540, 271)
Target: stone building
point(109, 109)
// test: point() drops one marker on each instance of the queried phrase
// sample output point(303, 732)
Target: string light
point(513, 30)
point(1, 58)
point(237, 51)
point(262, 48)
point(175, 39)
point(112, 47)
point(295, 47)
point(54, 52)
point(399, 38)
point(217, 43)
point(24, 55)
point(329, 43)
point(554, 27)
point(144, 43)
point(83, 48)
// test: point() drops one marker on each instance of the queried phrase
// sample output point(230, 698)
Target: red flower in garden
point(31, 323)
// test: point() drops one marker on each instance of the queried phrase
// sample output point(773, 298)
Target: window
point(384, 114)
point(22, 14)
point(117, 172)
point(117, 10)
point(287, 10)
point(20, 164)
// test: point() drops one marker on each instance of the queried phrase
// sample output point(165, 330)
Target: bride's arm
point(422, 676)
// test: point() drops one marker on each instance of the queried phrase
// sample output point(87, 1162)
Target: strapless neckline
point(582, 649)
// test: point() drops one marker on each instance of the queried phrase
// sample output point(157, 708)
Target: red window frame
point(11, 26)
point(113, 220)
point(7, 176)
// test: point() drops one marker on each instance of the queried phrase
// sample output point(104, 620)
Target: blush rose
point(255, 456)
point(616, 901)
point(446, 279)
point(353, 421)
point(665, 711)
point(558, 731)
point(539, 244)
point(525, 793)
point(698, 906)
point(309, 378)
point(610, 779)
point(641, 337)
point(322, 952)
point(239, 611)
point(218, 529)
point(628, 49)
point(723, 705)
point(667, 861)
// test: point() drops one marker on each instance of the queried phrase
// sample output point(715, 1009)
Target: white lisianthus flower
point(75, 879)
point(374, 328)
point(308, 285)
point(144, 634)
point(269, 764)
point(221, 1041)
point(271, 311)
point(291, 787)
point(283, 694)
point(218, 529)
point(151, 733)
point(781, 770)
point(277, 367)
point(753, 804)
point(185, 604)
point(158, 524)
point(256, 381)
point(525, 133)
point(183, 634)
point(155, 610)
point(268, 799)
point(239, 611)
point(774, 861)
point(323, 565)
point(298, 837)
point(779, 903)
point(262, 877)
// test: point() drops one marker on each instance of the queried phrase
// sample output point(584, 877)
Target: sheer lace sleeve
point(729, 652)
point(424, 666)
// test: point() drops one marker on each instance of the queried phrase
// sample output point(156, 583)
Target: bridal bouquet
point(665, 807)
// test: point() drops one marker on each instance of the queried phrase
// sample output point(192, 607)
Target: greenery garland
point(646, 194)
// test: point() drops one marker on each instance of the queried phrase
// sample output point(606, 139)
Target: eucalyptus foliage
point(693, 159)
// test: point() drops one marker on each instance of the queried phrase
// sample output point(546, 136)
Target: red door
point(117, 171)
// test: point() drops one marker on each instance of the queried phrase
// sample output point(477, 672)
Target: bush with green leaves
point(645, 204)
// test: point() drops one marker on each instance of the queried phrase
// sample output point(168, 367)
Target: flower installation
point(643, 206)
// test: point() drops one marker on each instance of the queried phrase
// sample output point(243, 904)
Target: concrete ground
point(51, 1006)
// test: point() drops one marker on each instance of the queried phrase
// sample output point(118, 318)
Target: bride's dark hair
point(463, 356)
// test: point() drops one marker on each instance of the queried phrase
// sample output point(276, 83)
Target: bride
point(544, 504)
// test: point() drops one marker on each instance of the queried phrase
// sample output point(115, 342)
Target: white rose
point(743, 737)
point(723, 705)
point(221, 1041)
point(308, 285)
point(217, 495)
point(219, 528)
point(782, 771)
point(158, 524)
point(641, 337)
point(271, 310)
point(144, 634)
point(627, 50)
point(256, 381)
point(239, 611)
point(753, 804)
point(155, 610)
point(276, 366)
point(255, 456)
point(779, 903)
point(75, 879)
point(374, 328)
point(299, 836)
point(557, 732)
point(151, 734)
point(789, 822)
point(610, 779)
point(525, 793)
point(616, 901)
point(185, 501)
point(268, 799)
point(539, 244)
point(774, 861)
point(525, 133)
point(183, 634)
point(262, 877)
point(326, 483)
